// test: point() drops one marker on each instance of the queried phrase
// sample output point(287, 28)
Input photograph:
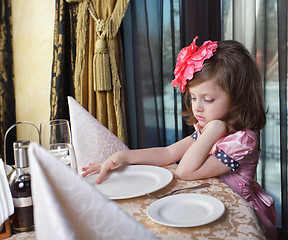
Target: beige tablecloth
point(239, 220)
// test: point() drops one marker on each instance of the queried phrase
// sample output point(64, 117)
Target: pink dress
point(240, 152)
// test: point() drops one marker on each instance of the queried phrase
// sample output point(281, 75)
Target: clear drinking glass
point(55, 136)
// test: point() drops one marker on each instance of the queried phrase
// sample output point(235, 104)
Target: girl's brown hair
point(236, 72)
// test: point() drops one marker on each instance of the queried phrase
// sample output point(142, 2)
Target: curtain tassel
point(101, 65)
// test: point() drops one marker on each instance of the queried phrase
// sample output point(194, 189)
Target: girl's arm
point(160, 156)
point(196, 162)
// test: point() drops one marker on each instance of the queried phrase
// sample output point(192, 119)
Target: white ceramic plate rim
point(148, 178)
point(156, 209)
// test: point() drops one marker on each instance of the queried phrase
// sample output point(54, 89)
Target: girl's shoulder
point(242, 137)
point(246, 138)
point(238, 144)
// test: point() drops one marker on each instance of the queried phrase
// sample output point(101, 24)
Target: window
point(255, 25)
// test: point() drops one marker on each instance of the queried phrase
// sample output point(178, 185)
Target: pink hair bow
point(190, 60)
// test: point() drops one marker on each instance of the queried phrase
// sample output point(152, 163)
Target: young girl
point(223, 92)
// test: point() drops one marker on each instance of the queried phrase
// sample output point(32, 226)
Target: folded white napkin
point(6, 201)
point(91, 140)
point(68, 207)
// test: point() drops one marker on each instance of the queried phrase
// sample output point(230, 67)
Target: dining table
point(238, 221)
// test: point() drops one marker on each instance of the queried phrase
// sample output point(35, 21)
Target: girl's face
point(209, 102)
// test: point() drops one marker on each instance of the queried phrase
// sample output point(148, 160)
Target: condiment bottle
point(22, 219)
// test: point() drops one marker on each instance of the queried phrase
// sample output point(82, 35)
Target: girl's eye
point(193, 98)
point(209, 100)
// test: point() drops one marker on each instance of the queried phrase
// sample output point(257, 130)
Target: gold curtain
point(64, 52)
point(96, 80)
point(7, 98)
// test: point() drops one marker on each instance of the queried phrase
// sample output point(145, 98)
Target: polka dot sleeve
point(194, 135)
point(225, 159)
point(234, 149)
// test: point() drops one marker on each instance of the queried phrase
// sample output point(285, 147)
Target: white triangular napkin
point(91, 140)
point(6, 201)
point(68, 207)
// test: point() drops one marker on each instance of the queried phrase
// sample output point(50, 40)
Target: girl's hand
point(102, 168)
point(93, 167)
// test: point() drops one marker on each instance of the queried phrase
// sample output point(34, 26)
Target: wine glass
point(59, 150)
point(55, 136)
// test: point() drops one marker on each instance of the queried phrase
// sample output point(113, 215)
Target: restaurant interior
point(50, 61)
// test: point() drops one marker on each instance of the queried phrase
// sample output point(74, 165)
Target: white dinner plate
point(186, 210)
point(133, 181)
